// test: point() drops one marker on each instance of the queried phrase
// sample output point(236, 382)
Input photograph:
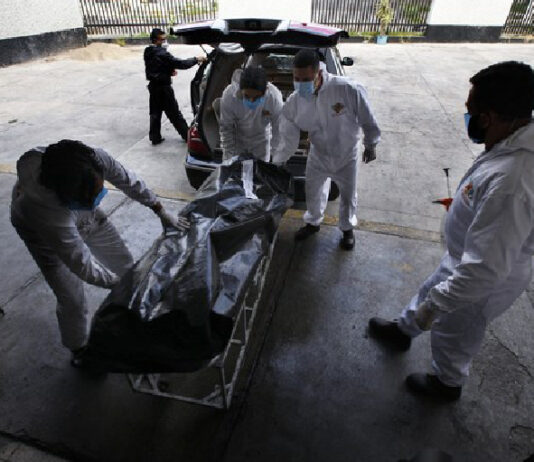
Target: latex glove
point(170, 221)
point(425, 315)
point(369, 154)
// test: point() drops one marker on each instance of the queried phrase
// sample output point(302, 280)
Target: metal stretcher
point(226, 365)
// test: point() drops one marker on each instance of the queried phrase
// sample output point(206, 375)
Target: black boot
point(305, 232)
point(155, 142)
point(388, 332)
point(429, 385)
point(347, 241)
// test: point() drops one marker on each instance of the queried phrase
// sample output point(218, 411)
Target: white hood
point(29, 185)
point(522, 138)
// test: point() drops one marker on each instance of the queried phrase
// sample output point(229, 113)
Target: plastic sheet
point(173, 311)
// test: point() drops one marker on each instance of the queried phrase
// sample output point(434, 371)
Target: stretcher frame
point(223, 391)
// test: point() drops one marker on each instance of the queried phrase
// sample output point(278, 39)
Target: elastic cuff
point(459, 381)
point(433, 306)
point(406, 323)
point(313, 223)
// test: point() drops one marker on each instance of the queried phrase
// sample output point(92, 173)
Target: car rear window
point(278, 62)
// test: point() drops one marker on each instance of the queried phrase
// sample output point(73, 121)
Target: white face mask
point(165, 44)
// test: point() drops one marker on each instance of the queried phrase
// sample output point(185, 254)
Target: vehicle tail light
point(195, 143)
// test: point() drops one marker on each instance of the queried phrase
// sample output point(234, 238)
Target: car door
point(202, 77)
point(199, 81)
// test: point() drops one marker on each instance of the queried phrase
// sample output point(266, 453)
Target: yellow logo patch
point(338, 107)
point(468, 192)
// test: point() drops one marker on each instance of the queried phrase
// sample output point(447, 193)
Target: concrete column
point(299, 10)
point(467, 20)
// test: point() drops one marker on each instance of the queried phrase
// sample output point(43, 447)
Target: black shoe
point(156, 142)
point(429, 385)
point(79, 362)
point(305, 232)
point(389, 333)
point(347, 241)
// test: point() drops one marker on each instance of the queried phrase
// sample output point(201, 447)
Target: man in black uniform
point(160, 66)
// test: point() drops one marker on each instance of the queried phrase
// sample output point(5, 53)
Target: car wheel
point(196, 177)
point(300, 191)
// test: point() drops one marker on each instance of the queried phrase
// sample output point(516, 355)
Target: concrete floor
point(314, 386)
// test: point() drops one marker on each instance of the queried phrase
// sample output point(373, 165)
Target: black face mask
point(476, 133)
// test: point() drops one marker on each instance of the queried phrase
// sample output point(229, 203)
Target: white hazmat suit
point(71, 246)
point(249, 130)
point(333, 118)
point(489, 233)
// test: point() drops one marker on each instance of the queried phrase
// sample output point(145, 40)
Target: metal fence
point(138, 17)
point(360, 15)
point(520, 20)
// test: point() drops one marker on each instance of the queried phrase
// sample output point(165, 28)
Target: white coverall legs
point(456, 337)
point(107, 246)
point(318, 188)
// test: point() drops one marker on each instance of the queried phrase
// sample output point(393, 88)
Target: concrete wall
point(467, 20)
point(277, 9)
point(20, 18)
point(33, 28)
point(469, 12)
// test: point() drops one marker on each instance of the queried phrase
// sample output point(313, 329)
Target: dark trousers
point(162, 99)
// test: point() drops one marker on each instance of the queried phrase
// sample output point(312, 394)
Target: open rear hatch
point(251, 33)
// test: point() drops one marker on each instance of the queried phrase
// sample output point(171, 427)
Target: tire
point(196, 177)
point(300, 191)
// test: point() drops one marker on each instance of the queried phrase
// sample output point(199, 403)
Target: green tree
point(385, 14)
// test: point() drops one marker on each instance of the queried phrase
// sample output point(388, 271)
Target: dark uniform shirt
point(160, 64)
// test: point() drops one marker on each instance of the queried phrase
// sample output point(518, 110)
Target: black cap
point(253, 78)
point(156, 32)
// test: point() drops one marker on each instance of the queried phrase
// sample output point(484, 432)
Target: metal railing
point(360, 15)
point(138, 17)
point(520, 20)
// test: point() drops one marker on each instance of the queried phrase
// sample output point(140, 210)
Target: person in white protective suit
point(250, 109)
point(333, 110)
point(55, 211)
point(489, 235)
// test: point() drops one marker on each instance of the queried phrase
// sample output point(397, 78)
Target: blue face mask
point(304, 89)
point(75, 205)
point(253, 104)
point(475, 133)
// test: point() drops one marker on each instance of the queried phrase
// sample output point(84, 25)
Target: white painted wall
point(299, 10)
point(20, 18)
point(469, 12)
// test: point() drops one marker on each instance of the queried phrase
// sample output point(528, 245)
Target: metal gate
point(520, 20)
point(360, 15)
point(138, 17)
